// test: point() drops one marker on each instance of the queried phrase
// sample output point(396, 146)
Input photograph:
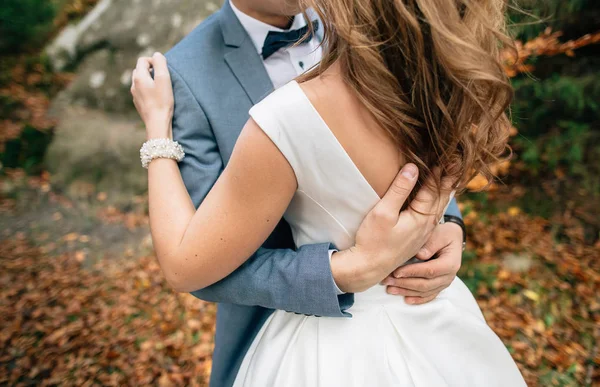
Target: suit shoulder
point(204, 41)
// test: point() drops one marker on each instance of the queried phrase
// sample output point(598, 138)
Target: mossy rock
point(99, 149)
point(103, 48)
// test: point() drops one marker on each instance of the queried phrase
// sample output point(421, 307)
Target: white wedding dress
point(386, 342)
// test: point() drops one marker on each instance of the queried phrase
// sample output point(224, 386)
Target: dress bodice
point(333, 196)
point(387, 342)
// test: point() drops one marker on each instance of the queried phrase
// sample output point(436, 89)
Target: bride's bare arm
point(199, 248)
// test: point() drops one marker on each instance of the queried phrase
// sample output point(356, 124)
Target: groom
point(225, 66)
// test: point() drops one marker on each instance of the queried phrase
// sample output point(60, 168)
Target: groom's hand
point(387, 238)
point(422, 282)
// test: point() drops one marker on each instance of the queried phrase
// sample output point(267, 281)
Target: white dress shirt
point(287, 63)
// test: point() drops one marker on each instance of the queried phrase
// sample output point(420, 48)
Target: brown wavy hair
point(430, 72)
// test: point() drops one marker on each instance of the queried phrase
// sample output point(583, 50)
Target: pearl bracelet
point(160, 148)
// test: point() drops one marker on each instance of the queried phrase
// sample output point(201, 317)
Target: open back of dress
point(386, 342)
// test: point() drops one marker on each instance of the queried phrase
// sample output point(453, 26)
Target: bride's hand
point(153, 97)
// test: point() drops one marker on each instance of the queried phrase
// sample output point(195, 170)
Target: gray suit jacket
point(217, 77)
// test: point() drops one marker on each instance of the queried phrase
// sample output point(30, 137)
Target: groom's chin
point(281, 7)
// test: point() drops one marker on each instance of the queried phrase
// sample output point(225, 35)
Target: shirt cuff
point(337, 289)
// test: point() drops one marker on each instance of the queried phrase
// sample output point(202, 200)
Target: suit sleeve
point(297, 281)
point(453, 209)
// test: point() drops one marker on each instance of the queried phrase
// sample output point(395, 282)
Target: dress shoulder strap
point(286, 118)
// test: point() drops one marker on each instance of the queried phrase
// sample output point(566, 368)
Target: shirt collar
point(258, 30)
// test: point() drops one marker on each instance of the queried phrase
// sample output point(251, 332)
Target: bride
point(415, 86)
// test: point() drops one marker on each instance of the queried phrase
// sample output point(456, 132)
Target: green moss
point(24, 22)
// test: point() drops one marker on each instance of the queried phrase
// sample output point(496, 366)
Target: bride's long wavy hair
point(431, 74)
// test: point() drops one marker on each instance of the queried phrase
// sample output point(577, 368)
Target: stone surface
point(99, 149)
point(98, 137)
point(104, 46)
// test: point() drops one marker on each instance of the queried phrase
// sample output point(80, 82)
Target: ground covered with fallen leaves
point(83, 301)
point(69, 316)
point(537, 281)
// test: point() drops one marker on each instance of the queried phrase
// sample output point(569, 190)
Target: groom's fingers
point(446, 194)
point(422, 286)
point(427, 198)
point(414, 293)
point(443, 265)
point(390, 205)
point(420, 300)
point(428, 201)
point(442, 237)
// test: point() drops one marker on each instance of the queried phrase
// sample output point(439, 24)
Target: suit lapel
point(249, 70)
point(242, 58)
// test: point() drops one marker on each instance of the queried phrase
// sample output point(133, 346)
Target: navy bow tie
point(275, 40)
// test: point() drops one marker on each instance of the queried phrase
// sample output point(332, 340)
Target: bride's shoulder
point(324, 91)
point(322, 86)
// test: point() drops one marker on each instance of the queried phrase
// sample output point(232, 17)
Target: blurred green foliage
point(27, 151)
point(23, 23)
point(558, 119)
point(574, 17)
point(557, 107)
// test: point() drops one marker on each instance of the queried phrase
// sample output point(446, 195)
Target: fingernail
point(397, 275)
point(424, 252)
point(409, 171)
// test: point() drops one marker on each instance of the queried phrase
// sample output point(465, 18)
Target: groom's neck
point(262, 12)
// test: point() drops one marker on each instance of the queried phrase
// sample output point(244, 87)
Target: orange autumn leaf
point(547, 44)
point(477, 183)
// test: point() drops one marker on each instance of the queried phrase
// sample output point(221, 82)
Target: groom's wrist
point(339, 270)
point(351, 271)
point(459, 224)
point(337, 288)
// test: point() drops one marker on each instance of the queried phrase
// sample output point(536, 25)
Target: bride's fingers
point(141, 74)
point(161, 70)
point(132, 81)
point(159, 62)
point(143, 64)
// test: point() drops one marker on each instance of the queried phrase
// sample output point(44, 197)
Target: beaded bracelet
point(160, 148)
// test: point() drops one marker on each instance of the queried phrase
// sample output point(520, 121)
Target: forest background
point(83, 301)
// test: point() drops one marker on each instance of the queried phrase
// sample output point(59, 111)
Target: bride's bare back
point(370, 148)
